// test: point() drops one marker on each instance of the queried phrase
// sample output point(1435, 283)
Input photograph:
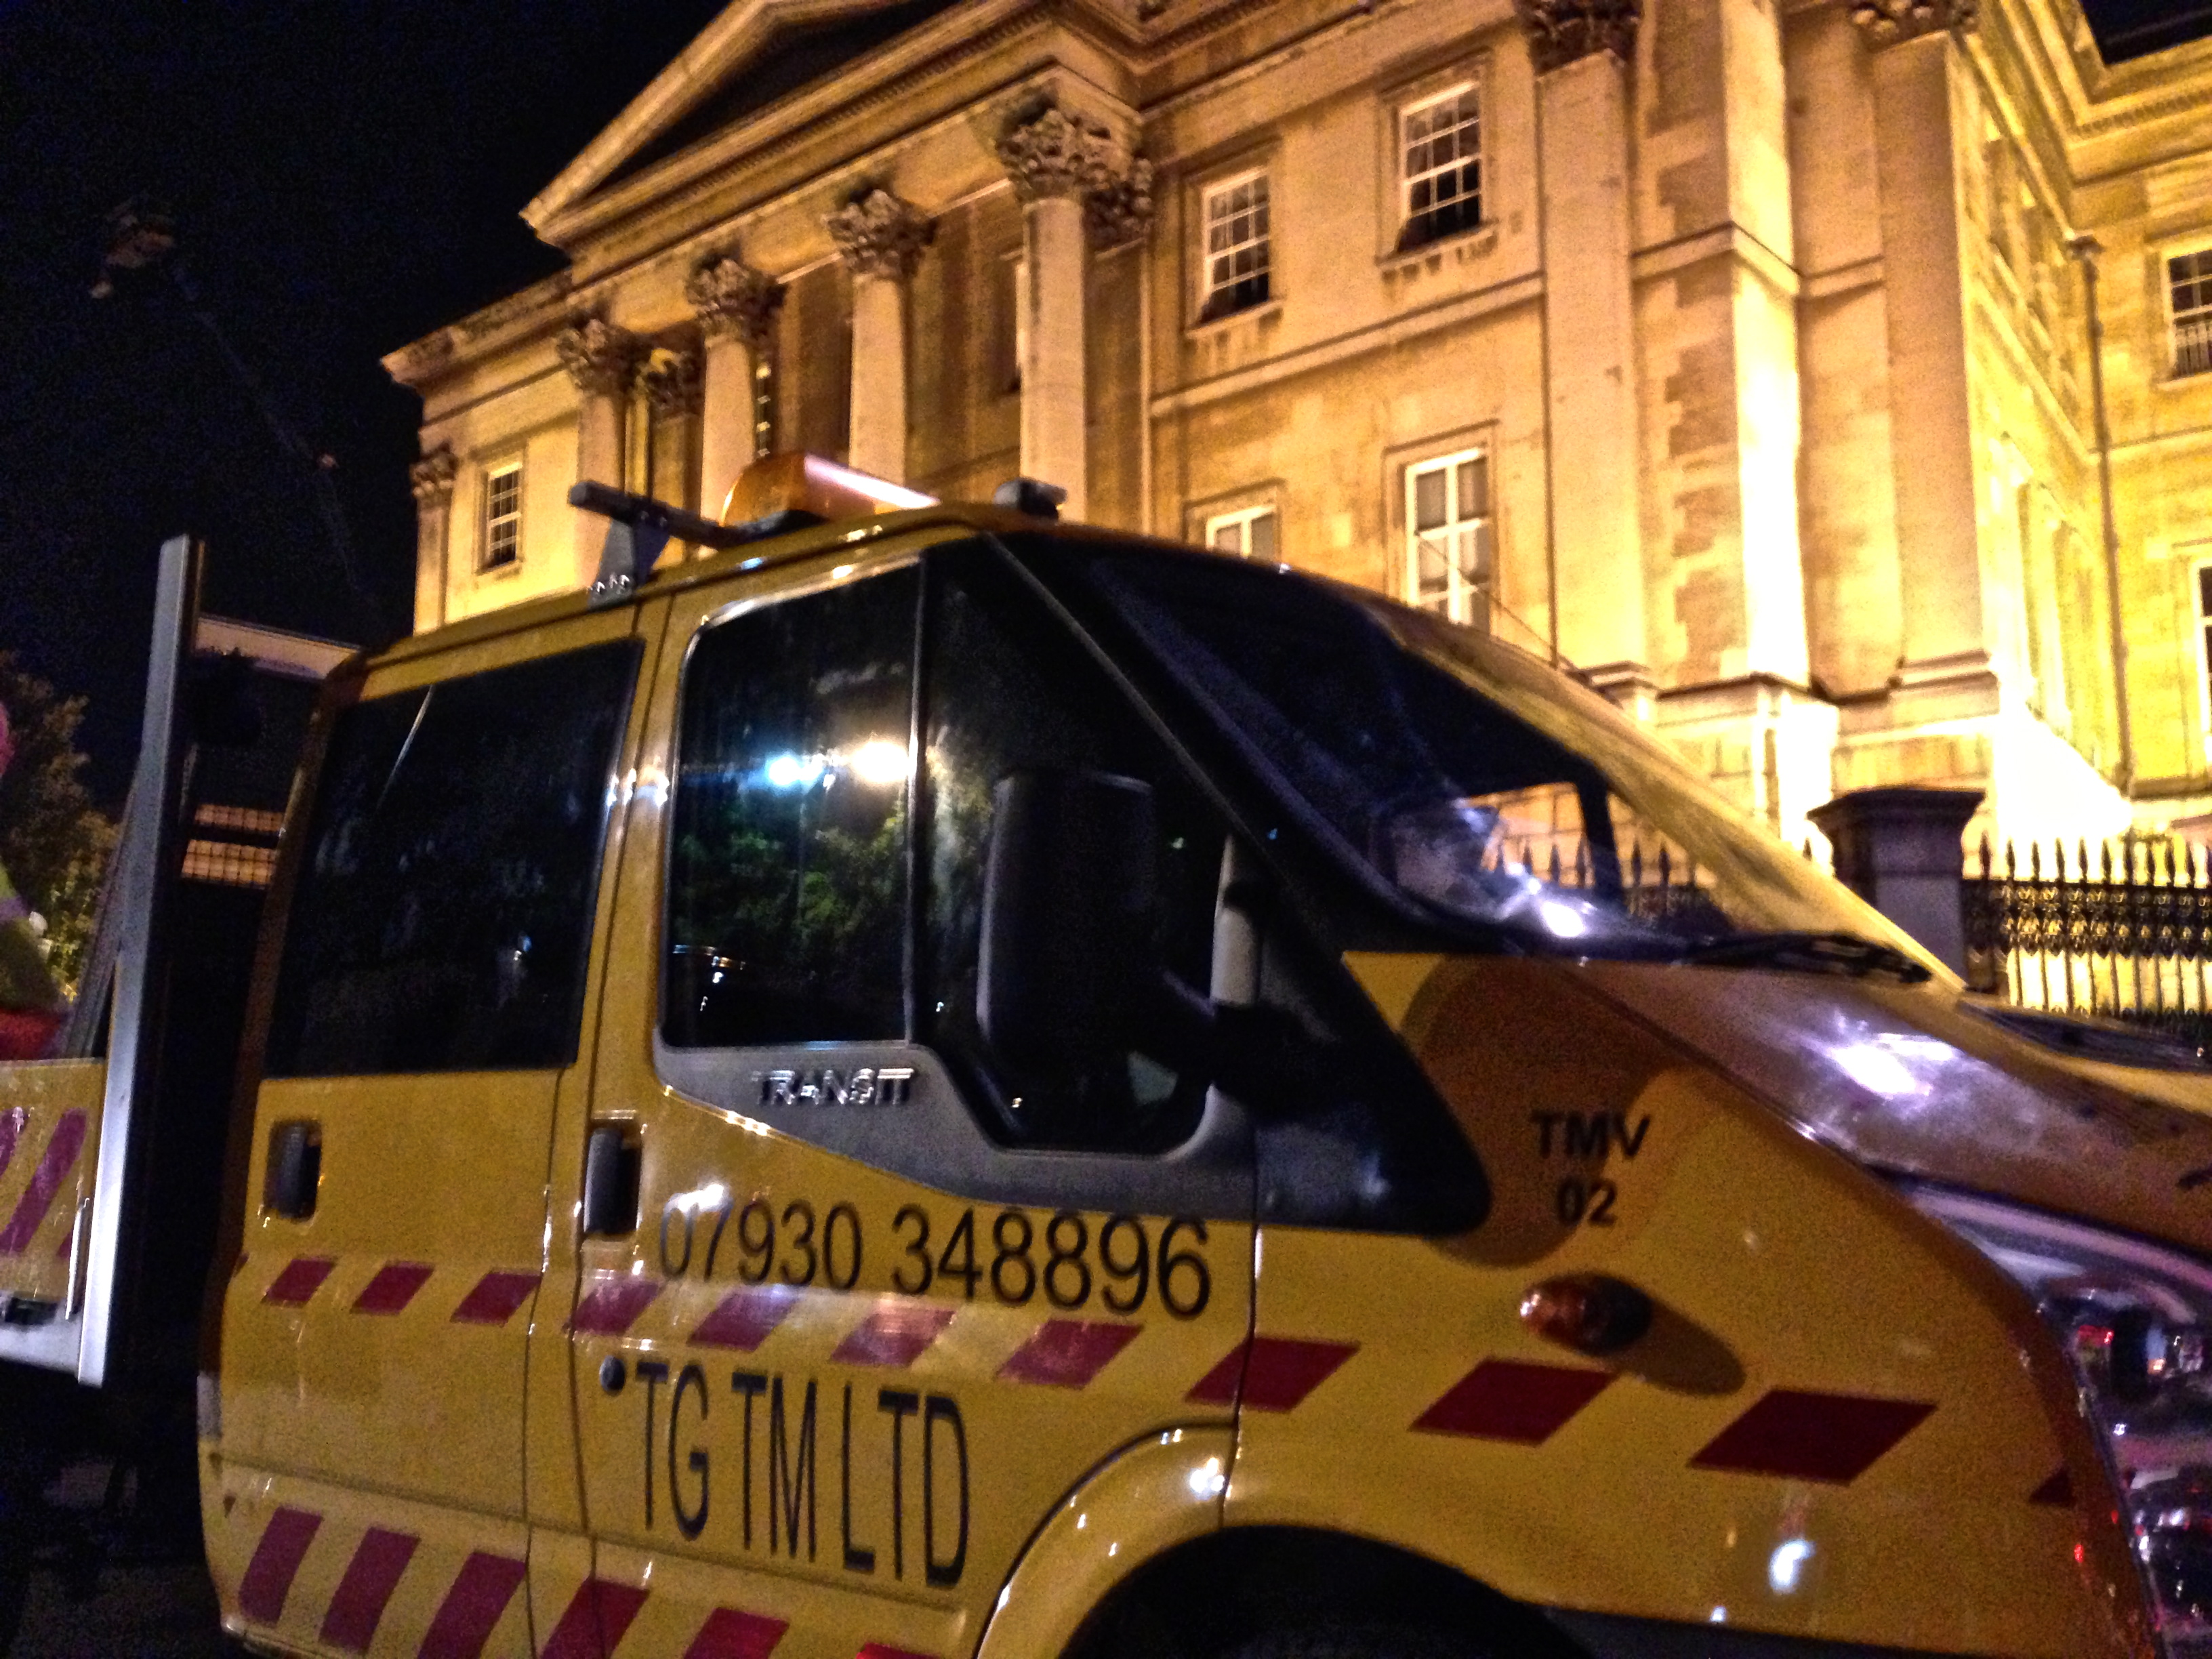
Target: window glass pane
point(1473, 491)
point(1236, 247)
point(1441, 177)
point(1263, 537)
point(1428, 499)
point(443, 917)
point(1008, 693)
point(787, 876)
point(2188, 278)
point(2204, 591)
point(502, 531)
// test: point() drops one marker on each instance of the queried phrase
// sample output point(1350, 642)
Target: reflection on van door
point(428, 1014)
point(887, 1301)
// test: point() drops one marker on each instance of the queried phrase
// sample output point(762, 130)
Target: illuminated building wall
point(1737, 354)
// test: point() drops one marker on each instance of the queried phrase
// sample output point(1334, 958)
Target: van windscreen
point(1473, 780)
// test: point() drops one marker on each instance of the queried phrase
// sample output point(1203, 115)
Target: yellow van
point(938, 1084)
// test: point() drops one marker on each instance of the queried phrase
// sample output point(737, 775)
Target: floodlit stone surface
point(1752, 343)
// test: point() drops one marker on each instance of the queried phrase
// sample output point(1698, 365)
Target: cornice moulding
point(567, 210)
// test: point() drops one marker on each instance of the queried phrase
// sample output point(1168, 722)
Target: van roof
point(789, 548)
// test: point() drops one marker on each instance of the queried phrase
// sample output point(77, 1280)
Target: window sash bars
point(502, 522)
point(1238, 249)
point(1422, 177)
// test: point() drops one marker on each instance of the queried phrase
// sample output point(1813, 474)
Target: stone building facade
point(1742, 355)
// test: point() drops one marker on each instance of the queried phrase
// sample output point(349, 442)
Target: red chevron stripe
point(885, 1651)
point(1067, 1353)
point(493, 1298)
point(729, 1634)
point(1805, 1436)
point(895, 1334)
point(1270, 1373)
point(370, 1578)
point(2059, 1490)
point(393, 1287)
point(276, 1560)
point(612, 1304)
point(302, 1277)
point(11, 1130)
point(465, 1618)
point(1513, 1399)
point(46, 1181)
point(598, 1616)
point(745, 1318)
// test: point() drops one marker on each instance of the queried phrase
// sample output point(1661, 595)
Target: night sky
point(345, 177)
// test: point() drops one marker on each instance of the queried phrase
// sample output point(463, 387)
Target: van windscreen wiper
point(1806, 953)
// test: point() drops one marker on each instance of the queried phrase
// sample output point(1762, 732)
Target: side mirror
point(1071, 906)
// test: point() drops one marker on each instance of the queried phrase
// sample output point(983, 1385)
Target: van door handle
point(612, 1156)
point(295, 1173)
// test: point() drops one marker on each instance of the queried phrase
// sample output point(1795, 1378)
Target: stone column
point(737, 306)
point(1582, 49)
point(1947, 671)
point(880, 238)
point(601, 359)
point(669, 380)
point(1071, 175)
point(432, 479)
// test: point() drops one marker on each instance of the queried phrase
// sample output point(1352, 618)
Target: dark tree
point(53, 842)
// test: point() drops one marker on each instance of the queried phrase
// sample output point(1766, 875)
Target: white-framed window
point(1440, 165)
point(500, 542)
point(2189, 310)
point(1236, 275)
point(1447, 541)
point(1249, 532)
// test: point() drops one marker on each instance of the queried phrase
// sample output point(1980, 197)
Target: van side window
point(443, 917)
point(1008, 692)
point(786, 868)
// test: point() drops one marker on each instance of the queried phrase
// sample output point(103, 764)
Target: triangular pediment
point(754, 54)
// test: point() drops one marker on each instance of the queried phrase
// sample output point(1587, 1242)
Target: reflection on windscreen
point(1511, 850)
point(1432, 787)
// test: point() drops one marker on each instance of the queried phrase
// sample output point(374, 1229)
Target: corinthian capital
point(1120, 212)
point(670, 381)
point(1883, 21)
point(599, 357)
point(1051, 153)
point(877, 234)
point(732, 298)
point(1564, 32)
point(432, 476)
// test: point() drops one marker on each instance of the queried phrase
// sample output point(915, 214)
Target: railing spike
point(2035, 860)
point(1666, 869)
point(1985, 855)
point(1555, 864)
point(2011, 860)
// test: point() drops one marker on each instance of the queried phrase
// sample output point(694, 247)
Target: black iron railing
point(2122, 928)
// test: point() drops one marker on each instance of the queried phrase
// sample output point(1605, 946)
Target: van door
point(888, 1299)
point(427, 1016)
